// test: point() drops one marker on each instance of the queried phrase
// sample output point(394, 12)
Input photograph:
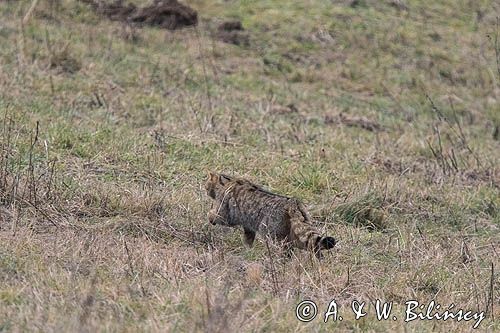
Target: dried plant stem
point(29, 13)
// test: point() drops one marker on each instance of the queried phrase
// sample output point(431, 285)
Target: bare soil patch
point(353, 121)
point(232, 32)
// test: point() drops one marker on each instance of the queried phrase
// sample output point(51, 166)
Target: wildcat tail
point(326, 243)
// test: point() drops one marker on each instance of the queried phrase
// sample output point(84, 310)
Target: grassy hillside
point(107, 131)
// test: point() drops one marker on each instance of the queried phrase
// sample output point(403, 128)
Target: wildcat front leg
point(212, 216)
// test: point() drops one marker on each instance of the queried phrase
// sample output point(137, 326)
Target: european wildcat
point(238, 202)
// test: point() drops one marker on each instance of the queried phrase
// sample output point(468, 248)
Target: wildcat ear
point(212, 176)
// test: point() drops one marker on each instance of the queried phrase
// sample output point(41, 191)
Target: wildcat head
point(216, 184)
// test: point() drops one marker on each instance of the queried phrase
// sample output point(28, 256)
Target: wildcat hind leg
point(248, 237)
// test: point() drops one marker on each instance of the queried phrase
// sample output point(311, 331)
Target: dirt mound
point(232, 32)
point(166, 14)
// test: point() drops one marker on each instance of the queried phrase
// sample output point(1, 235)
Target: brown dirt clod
point(230, 26)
